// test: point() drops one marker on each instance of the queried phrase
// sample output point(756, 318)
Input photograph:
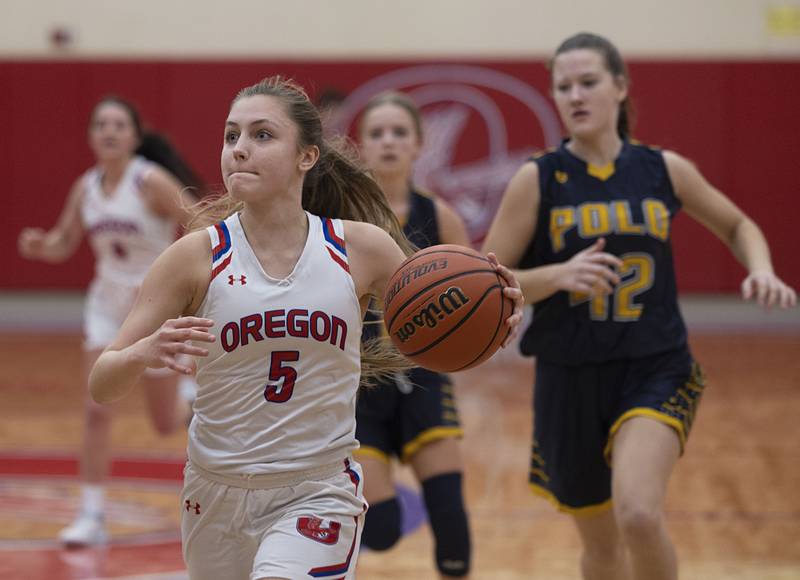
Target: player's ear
point(308, 158)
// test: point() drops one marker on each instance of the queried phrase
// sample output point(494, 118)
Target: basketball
point(445, 310)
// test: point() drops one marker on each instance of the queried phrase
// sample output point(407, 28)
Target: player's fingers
point(761, 291)
point(607, 259)
point(602, 272)
point(186, 348)
point(792, 297)
point(601, 287)
point(773, 294)
point(597, 246)
point(178, 367)
point(747, 289)
point(185, 334)
point(189, 321)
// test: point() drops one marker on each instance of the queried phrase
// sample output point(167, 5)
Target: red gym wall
point(737, 120)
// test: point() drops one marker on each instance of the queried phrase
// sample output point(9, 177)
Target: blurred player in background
point(412, 416)
point(130, 206)
point(616, 386)
point(271, 300)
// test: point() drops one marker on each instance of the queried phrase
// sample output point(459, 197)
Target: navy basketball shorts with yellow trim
point(398, 417)
point(578, 410)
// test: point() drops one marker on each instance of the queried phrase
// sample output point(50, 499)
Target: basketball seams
point(425, 289)
point(463, 319)
point(424, 253)
point(501, 318)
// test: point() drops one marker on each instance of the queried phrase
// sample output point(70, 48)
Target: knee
point(382, 525)
point(165, 425)
point(638, 523)
point(445, 504)
point(97, 415)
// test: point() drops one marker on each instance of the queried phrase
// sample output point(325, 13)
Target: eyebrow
point(264, 121)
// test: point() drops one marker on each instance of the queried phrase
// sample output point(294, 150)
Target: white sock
point(92, 498)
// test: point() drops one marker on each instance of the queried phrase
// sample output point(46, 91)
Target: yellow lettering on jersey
point(656, 217)
point(598, 305)
point(637, 274)
point(562, 219)
point(622, 213)
point(595, 220)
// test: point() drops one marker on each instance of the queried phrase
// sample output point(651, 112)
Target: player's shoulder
point(362, 234)
point(543, 153)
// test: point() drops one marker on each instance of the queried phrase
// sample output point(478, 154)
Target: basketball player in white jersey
point(270, 300)
point(129, 208)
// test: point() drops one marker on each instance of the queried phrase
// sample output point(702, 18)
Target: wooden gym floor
point(733, 506)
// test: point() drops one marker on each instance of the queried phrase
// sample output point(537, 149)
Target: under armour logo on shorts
point(190, 507)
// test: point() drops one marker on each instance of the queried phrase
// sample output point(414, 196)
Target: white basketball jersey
point(278, 389)
point(125, 235)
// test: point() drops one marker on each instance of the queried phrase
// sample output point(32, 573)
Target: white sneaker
point(87, 529)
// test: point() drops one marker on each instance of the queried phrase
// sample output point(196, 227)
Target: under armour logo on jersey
point(190, 507)
point(312, 528)
point(561, 177)
point(241, 279)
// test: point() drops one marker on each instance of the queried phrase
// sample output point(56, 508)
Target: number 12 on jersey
point(282, 376)
point(636, 276)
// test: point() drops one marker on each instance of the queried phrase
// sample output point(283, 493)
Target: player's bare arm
point(374, 257)
point(60, 242)
point(159, 327)
point(723, 218)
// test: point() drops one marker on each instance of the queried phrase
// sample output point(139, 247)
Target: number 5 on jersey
point(282, 376)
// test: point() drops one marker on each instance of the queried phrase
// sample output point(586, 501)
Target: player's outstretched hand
point(514, 292)
point(768, 290)
point(31, 243)
point(165, 346)
point(590, 271)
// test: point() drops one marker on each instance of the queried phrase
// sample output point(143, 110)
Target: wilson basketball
point(444, 308)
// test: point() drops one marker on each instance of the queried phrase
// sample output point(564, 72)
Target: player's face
point(112, 134)
point(389, 140)
point(586, 93)
point(260, 153)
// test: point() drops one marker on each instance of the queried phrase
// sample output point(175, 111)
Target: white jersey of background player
point(129, 208)
point(270, 491)
point(126, 237)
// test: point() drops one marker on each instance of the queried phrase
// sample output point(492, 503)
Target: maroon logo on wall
point(480, 125)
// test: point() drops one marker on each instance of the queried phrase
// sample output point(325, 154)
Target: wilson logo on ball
point(429, 316)
point(413, 274)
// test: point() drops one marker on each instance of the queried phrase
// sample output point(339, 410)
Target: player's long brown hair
point(336, 187)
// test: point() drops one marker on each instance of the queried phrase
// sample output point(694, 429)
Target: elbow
point(97, 391)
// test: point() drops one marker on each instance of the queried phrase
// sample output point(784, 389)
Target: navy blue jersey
point(631, 203)
point(421, 226)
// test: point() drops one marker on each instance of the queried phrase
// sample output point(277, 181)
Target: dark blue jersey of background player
point(616, 387)
point(630, 204)
point(413, 417)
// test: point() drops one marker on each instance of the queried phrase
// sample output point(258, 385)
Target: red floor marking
point(145, 468)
